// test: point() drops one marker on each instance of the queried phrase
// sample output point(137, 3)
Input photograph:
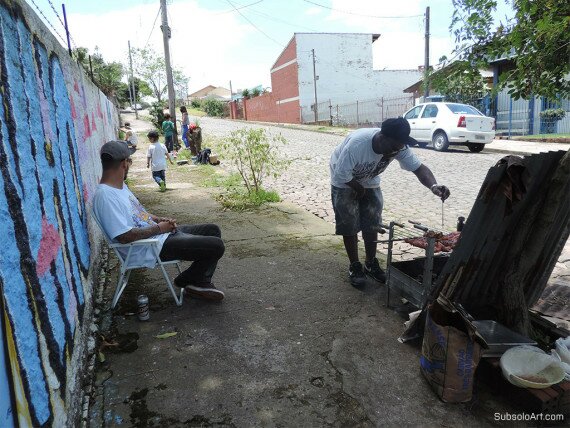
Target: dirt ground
point(293, 344)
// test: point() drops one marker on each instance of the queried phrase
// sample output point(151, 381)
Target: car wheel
point(440, 141)
point(422, 145)
point(476, 147)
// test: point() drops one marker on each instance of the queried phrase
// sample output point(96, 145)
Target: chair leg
point(121, 285)
point(177, 299)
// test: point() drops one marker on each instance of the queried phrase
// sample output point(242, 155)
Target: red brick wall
point(265, 109)
point(285, 82)
point(289, 53)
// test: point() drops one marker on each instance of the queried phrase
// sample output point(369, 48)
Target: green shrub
point(255, 92)
point(197, 103)
point(553, 114)
point(255, 154)
point(213, 107)
point(156, 112)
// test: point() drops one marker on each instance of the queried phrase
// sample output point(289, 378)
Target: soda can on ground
point(143, 311)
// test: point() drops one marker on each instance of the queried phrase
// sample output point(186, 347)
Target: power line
point(255, 26)
point(152, 29)
point(47, 21)
point(240, 7)
point(361, 14)
point(267, 16)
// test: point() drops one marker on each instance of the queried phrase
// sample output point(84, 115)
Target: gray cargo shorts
point(354, 215)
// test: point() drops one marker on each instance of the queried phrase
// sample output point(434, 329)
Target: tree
point(537, 40)
point(458, 82)
point(150, 67)
point(141, 90)
point(107, 76)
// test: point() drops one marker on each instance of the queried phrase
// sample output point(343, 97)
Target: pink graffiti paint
point(99, 111)
point(93, 124)
point(49, 247)
point(85, 193)
point(76, 87)
point(87, 126)
point(73, 111)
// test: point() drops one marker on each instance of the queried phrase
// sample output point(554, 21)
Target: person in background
point(130, 136)
point(168, 131)
point(156, 156)
point(185, 126)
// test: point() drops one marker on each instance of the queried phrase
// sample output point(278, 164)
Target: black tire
point(476, 147)
point(422, 145)
point(440, 141)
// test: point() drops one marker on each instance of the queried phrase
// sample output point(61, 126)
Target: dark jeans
point(199, 243)
point(158, 176)
point(169, 143)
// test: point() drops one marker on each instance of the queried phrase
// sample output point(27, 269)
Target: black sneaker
point(357, 277)
point(374, 271)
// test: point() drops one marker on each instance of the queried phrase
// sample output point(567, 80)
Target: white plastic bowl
point(530, 367)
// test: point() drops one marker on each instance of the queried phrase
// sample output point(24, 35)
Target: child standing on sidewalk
point(157, 155)
point(168, 130)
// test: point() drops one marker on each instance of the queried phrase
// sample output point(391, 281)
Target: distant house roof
point(486, 74)
point(202, 92)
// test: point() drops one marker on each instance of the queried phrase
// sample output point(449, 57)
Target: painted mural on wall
point(52, 123)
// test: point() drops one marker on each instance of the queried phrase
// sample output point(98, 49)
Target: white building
point(343, 65)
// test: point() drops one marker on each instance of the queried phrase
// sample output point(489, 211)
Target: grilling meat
point(443, 243)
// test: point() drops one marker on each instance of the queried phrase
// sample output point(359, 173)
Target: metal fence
point(523, 117)
point(357, 113)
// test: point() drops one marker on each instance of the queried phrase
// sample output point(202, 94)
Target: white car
point(444, 124)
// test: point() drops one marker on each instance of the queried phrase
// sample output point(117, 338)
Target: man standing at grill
point(355, 167)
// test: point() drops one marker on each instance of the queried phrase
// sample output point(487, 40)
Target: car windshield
point(463, 109)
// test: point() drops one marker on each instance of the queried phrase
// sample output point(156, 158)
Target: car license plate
point(479, 137)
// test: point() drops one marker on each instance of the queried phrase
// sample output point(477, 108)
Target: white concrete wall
point(344, 70)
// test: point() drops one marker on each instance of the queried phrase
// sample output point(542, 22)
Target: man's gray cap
point(118, 150)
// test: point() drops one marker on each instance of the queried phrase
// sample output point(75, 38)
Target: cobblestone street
point(307, 184)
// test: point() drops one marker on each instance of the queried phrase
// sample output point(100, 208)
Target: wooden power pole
point(170, 82)
point(315, 86)
point(426, 59)
point(134, 94)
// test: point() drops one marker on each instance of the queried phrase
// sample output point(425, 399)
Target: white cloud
point(313, 11)
point(204, 43)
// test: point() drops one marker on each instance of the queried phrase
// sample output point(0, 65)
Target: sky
point(213, 43)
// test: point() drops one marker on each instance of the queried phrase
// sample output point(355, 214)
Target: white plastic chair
point(127, 267)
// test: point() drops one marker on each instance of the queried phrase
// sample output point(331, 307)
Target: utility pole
point(231, 92)
point(426, 59)
point(315, 77)
point(171, 96)
point(134, 97)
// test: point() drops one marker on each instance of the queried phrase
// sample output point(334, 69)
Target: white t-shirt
point(119, 211)
point(157, 152)
point(132, 138)
point(354, 158)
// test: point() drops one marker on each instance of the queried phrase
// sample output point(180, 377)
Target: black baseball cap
point(397, 128)
point(117, 150)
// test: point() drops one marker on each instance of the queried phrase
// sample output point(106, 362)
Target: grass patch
point(228, 182)
point(543, 137)
point(196, 112)
point(237, 199)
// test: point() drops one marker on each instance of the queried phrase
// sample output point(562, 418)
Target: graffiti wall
point(52, 122)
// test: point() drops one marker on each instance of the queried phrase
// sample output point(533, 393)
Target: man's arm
point(137, 233)
point(426, 177)
point(357, 187)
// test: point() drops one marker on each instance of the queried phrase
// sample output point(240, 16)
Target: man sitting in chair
point(125, 220)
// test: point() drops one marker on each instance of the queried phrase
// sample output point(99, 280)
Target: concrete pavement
point(293, 344)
